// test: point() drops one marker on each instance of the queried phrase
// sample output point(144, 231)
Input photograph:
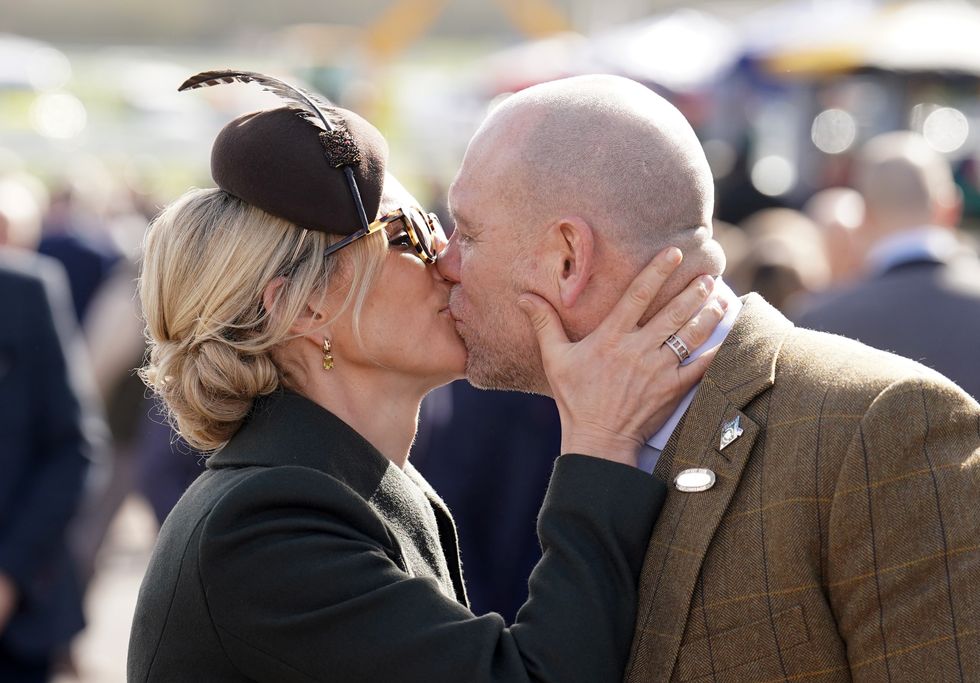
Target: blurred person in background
point(165, 464)
point(77, 236)
point(784, 258)
point(920, 294)
point(294, 330)
point(733, 242)
point(737, 195)
point(146, 454)
point(22, 203)
point(838, 212)
point(50, 425)
point(79, 241)
point(821, 521)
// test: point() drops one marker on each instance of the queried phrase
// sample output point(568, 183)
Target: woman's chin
point(454, 369)
point(455, 372)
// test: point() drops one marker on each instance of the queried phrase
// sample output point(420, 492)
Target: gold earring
point(327, 357)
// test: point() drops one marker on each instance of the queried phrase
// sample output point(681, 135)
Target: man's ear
point(576, 247)
point(308, 321)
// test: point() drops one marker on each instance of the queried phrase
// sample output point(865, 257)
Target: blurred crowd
point(870, 239)
point(79, 433)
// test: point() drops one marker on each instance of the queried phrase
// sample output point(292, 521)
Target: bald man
point(920, 295)
point(822, 522)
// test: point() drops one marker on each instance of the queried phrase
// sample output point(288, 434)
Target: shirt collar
point(659, 440)
point(927, 242)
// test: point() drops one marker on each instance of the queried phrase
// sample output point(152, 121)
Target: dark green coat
point(302, 554)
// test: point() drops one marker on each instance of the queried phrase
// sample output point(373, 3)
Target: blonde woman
point(295, 322)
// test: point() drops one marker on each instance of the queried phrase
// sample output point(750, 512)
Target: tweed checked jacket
point(842, 538)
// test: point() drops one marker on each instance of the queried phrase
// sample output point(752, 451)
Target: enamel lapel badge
point(729, 432)
point(694, 480)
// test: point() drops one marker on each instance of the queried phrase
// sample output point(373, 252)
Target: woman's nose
point(439, 240)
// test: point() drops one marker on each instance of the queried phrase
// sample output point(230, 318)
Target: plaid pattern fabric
point(842, 538)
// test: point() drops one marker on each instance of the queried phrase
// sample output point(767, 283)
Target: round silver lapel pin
point(694, 480)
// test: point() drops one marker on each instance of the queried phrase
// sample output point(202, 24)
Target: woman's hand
point(616, 387)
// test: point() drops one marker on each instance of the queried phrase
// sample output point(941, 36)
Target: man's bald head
point(604, 148)
point(567, 190)
point(905, 183)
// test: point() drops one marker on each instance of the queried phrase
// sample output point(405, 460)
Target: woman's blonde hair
point(208, 258)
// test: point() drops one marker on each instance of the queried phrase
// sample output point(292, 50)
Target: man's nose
point(448, 260)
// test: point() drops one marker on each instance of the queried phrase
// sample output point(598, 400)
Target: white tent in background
point(537, 61)
point(806, 38)
point(925, 36)
point(683, 51)
point(31, 64)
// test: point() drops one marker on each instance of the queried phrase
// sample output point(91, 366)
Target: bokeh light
point(58, 115)
point(773, 175)
point(946, 129)
point(833, 131)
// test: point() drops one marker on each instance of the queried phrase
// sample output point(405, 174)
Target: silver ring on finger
point(677, 345)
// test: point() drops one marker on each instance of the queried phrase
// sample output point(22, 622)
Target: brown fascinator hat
point(308, 162)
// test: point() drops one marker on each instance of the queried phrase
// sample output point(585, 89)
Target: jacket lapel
point(446, 529)
point(743, 369)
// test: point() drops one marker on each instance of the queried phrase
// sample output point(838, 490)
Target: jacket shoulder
point(294, 490)
point(203, 551)
point(29, 271)
point(829, 361)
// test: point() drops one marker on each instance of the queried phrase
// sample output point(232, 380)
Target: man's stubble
point(497, 357)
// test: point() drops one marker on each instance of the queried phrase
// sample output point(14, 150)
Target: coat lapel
point(743, 369)
point(408, 510)
point(447, 536)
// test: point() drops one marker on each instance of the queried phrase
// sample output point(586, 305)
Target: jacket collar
point(744, 368)
point(285, 428)
point(746, 363)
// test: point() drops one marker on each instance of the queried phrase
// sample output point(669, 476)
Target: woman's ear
point(576, 247)
point(308, 321)
point(270, 294)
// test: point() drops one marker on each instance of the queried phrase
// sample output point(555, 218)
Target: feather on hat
point(299, 162)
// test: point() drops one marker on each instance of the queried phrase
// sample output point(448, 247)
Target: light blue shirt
point(648, 457)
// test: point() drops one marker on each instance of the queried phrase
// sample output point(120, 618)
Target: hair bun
point(209, 387)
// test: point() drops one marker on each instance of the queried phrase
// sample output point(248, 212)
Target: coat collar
point(744, 368)
point(285, 428)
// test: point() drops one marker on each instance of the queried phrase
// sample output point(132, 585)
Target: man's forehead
point(476, 182)
point(463, 200)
